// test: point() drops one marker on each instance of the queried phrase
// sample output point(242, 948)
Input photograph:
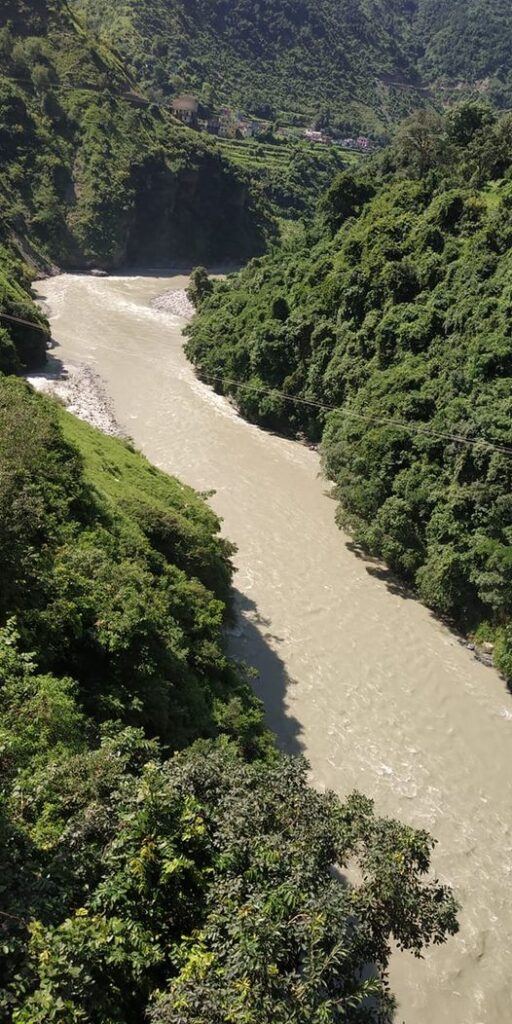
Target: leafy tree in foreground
point(285, 938)
point(214, 877)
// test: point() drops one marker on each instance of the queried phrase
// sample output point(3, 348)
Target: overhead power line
point(26, 323)
point(413, 428)
point(382, 420)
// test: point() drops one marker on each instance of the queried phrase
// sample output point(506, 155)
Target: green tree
point(466, 119)
point(422, 143)
point(6, 41)
point(200, 286)
point(346, 197)
point(284, 939)
point(41, 78)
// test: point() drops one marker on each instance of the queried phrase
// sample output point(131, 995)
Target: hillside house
point(213, 125)
point(362, 143)
point(185, 108)
point(247, 128)
point(320, 137)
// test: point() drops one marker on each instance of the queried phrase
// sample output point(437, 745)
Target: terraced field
point(291, 174)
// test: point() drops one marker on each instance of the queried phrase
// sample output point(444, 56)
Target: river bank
point(176, 302)
point(83, 393)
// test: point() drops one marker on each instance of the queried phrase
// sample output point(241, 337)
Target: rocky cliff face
point(199, 212)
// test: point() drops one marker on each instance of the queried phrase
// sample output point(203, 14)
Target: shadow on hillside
point(251, 641)
point(183, 269)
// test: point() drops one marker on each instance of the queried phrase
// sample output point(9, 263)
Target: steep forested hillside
point(199, 885)
point(304, 56)
point(89, 172)
point(466, 44)
point(89, 176)
point(159, 860)
point(21, 344)
point(398, 315)
point(366, 61)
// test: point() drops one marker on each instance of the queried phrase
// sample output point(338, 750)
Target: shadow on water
point(376, 568)
point(251, 641)
point(393, 584)
point(53, 368)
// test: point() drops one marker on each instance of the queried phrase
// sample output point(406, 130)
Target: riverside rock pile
point(82, 391)
point(175, 301)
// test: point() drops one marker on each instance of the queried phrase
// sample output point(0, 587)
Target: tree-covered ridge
point(367, 61)
point(89, 170)
point(399, 314)
point(466, 43)
point(302, 56)
point(196, 887)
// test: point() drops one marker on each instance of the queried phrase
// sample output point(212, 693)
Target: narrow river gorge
point(353, 672)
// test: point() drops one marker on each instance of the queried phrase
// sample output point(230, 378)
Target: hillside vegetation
point(290, 173)
point(156, 853)
point(159, 859)
point(396, 315)
point(90, 175)
point(299, 57)
point(465, 44)
point(366, 62)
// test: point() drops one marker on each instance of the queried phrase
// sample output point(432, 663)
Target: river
point(353, 671)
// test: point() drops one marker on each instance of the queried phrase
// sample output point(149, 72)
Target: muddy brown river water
point(360, 677)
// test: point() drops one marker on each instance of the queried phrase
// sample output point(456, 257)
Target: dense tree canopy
point(396, 313)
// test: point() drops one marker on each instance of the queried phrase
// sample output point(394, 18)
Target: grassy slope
point(117, 576)
point(134, 487)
